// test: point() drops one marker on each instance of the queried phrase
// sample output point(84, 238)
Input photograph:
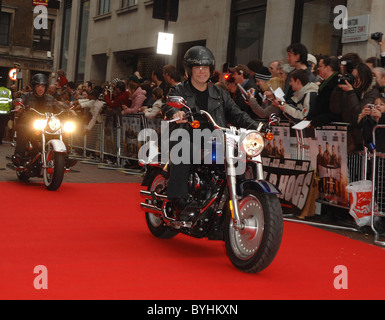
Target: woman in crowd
point(155, 110)
point(370, 116)
point(349, 99)
point(137, 97)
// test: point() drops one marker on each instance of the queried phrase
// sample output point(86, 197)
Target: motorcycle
point(47, 156)
point(242, 210)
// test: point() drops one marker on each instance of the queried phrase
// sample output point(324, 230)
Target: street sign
point(357, 30)
point(40, 3)
point(13, 74)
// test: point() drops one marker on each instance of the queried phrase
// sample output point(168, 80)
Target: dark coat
point(221, 106)
point(348, 105)
point(43, 104)
point(321, 114)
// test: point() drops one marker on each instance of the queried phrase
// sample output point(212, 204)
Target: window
point(66, 34)
point(42, 38)
point(5, 21)
point(247, 31)
point(129, 3)
point(315, 26)
point(104, 7)
point(82, 41)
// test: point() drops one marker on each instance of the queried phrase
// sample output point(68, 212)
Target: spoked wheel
point(253, 247)
point(54, 173)
point(155, 222)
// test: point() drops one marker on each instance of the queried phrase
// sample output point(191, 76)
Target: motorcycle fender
point(259, 185)
point(150, 175)
point(57, 146)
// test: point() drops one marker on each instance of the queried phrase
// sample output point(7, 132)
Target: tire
point(156, 223)
point(54, 173)
point(253, 248)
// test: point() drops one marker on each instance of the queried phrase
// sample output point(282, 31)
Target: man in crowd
point(241, 75)
point(297, 57)
point(328, 69)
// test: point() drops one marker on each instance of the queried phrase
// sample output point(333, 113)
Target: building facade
point(27, 41)
point(100, 40)
point(121, 35)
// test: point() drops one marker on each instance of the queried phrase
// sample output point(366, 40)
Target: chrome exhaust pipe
point(153, 194)
point(149, 208)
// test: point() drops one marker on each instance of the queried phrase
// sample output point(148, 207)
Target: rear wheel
point(254, 246)
point(53, 174)
point(155, 222)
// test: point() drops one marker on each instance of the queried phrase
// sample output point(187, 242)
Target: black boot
point(17, 160)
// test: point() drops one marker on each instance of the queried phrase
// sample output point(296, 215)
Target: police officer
point(40, 101)
point(200, 94)
point(5, 108)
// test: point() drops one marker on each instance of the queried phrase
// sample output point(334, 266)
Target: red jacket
point(119, 99)
point(62, 81)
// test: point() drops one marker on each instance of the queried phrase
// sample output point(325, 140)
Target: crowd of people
point(322, 89)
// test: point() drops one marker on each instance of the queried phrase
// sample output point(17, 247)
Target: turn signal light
point(196, 124)
point(269, 136)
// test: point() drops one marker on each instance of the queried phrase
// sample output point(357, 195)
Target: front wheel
point(254, 246)
point(53, 174)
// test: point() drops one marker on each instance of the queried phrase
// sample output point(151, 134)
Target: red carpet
point(95, 244)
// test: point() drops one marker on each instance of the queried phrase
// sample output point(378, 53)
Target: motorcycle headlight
point(39, 124)
point(54, 124)
point(252, 144)
point(69, 127)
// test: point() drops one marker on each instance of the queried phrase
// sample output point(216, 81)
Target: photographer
point(371, 115)
point(349, 99)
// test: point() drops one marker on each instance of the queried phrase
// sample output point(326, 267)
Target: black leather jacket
point(220, 105)
point(44, 104)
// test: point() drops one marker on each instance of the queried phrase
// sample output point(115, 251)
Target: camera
point(377, 36)
point(349, 67)
point(346, 77)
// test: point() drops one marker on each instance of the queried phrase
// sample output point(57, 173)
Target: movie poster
point(329, 159)
point(279, 147)
point(293, 178)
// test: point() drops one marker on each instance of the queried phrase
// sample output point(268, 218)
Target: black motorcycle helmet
point(39, 78)
point(198, 56)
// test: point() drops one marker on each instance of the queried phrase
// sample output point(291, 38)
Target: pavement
point(87, 170)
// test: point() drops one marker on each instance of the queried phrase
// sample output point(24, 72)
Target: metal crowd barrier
point(112, 146)
point(378, 188)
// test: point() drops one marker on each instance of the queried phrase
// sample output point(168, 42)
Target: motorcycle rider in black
point(40, 101)
point(200, 94)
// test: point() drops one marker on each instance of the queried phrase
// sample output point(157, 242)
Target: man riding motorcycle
point(200, 94)
point(40, 101)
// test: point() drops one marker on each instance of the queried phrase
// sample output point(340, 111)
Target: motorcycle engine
point(201, 184)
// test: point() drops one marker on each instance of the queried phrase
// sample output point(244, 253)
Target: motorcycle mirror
point(176, 102)
point(274, 119)
point(18, 102)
